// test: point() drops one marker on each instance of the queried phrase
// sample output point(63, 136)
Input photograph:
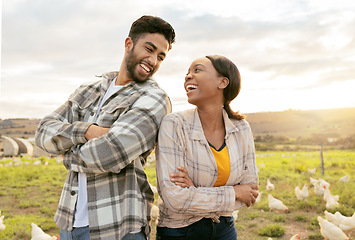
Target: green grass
point(31, 193)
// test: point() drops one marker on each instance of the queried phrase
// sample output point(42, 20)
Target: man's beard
point(132, 62)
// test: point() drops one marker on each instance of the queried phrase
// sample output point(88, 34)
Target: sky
point(291, 54)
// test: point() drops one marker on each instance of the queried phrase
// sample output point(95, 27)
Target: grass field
point(30, 193)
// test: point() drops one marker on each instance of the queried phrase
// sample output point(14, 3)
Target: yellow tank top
point(223, 164)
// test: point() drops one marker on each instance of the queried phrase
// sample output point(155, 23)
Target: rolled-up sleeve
point(132, 134)
point(56, 134)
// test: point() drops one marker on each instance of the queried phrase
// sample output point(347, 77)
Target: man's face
point(145, 56)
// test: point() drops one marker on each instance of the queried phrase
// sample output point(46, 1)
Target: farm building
point(38, 152)
point(25, 147)
point(15, 146)
point(8, 146)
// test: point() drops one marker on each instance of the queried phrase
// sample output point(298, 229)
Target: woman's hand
point(246, 193)
point(181, 178)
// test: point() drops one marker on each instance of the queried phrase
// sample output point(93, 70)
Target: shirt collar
point(110, 76)
point(197, 130)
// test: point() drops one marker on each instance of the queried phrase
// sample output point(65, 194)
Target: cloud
point(53, 46)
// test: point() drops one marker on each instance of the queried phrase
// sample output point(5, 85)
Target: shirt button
point(72, 193)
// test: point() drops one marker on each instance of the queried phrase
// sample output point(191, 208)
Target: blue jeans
point(83, 233)
point(205, 229)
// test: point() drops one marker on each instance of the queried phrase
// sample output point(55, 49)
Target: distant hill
point(298, 123)
point(291, 123)
point(18, 127)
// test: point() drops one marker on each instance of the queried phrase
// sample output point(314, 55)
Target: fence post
point(321, 159)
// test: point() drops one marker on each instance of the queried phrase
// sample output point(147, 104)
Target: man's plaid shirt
point(119, 195)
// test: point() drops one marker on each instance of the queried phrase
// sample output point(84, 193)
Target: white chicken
point(275, 204)
point(296, 237)
point(333, 218)
point(327, 195)
point(38, 234)
point(2, 225)
point(269, 186)
point(262, 165)
point(302, 194)
point(331, 203)
point(343, 222)
point(258, 198)
point(314, 181)
point(317, 189)
point(235, 215)
point(154, 189)
point(347, 223)
point(312, 171)
point(330, 231)
point(345, 179)
point(154, 212)
point(323, 184)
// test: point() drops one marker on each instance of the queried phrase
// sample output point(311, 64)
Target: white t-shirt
point(81, 213)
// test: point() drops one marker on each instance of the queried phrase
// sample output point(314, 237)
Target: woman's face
point(202, 83)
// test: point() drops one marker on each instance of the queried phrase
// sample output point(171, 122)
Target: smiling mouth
point(145, 67)
point(190, 87)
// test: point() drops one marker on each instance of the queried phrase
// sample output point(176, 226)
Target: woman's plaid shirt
point(181, 142)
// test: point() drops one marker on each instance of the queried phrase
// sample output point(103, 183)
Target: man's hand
point(95, 131)
point(246, 193)
point(181, 178)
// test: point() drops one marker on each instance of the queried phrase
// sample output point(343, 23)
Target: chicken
point(154, 212)
point(38, 234)
point(330, 231)
point(154, 189)
point(2, 225)
point(327, 195)
point(343, 222)
point(323, 184)
point(317, 189)
point(275, 204)
point(331, 203)
point(312, 171)
point(269, 186)
point(333, 218)
point(235, 215)
point(347, 223)
point(258, 197)
point(314, 181)
point(345, 178)
point(296, 237)
point(302, 194)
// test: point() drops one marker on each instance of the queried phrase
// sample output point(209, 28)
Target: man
point(106, 130)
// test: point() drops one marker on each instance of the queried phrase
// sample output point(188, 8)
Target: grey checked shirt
point(119, 195)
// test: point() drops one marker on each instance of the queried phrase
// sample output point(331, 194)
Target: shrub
point(280, 218)
point(272, 231)
point(313, 224)
point(316, 237)
point(300, 218)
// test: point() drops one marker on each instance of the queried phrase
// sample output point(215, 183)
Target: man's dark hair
point(151, 24)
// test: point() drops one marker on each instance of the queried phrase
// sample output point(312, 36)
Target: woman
point(205, 157)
